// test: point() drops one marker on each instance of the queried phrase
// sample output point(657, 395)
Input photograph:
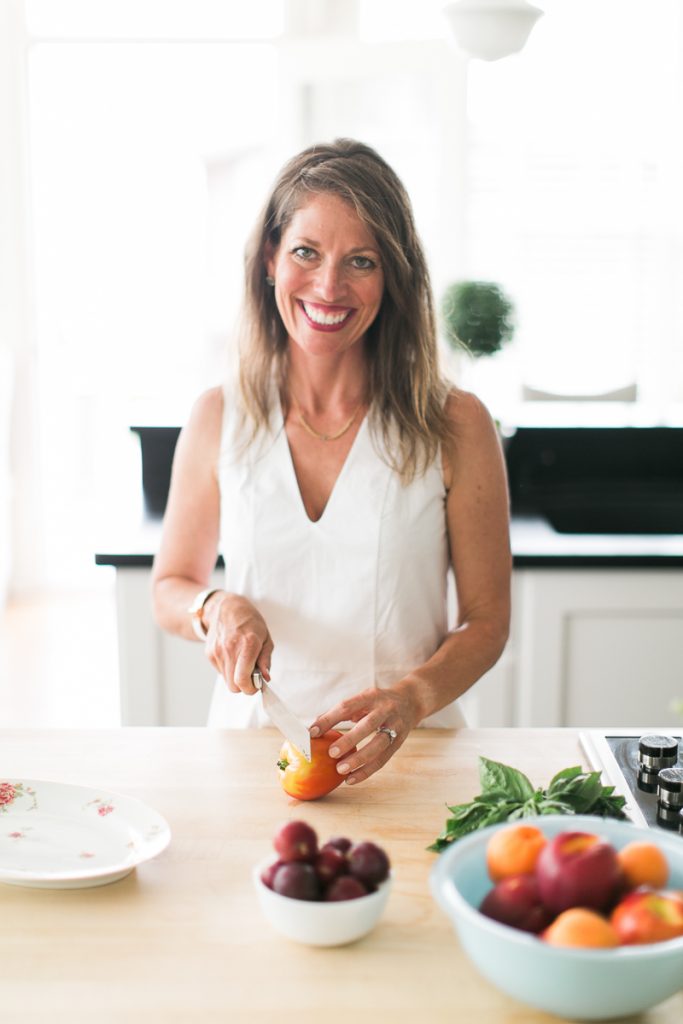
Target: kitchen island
point(181, 939)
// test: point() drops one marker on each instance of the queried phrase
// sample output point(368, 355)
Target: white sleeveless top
point(353, 600)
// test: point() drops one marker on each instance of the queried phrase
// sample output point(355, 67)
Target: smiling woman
point(338, 535)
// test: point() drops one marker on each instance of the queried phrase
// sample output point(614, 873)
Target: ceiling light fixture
point(491, 29)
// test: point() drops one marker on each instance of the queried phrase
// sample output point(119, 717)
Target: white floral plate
point(59, 836)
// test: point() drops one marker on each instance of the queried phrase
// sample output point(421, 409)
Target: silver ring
point(391, 733)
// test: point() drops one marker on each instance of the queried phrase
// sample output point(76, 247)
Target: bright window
point(575, 163)
point(144, 186)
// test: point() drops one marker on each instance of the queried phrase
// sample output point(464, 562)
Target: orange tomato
point(309, 780)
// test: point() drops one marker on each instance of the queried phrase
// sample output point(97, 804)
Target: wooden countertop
point(181, 939)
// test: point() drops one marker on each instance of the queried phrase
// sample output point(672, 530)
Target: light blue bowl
point(581, 984)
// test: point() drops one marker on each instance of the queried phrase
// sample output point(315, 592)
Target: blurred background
point(137, 141)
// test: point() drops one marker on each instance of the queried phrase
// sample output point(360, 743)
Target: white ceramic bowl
point(320, 924)
point(580, 984)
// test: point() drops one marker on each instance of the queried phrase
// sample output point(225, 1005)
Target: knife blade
point(287, 722)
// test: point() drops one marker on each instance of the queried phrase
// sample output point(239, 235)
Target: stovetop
point(625, 752)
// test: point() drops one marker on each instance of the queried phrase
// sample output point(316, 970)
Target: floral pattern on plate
point(12, 791)
point(57, 835)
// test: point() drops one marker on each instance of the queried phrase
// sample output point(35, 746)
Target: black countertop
point(535, 545)
point(581, 497)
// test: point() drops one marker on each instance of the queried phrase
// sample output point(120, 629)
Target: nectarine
point(578, 869)
point(646, 915)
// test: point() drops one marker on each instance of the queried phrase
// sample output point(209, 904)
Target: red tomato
point(308, 780)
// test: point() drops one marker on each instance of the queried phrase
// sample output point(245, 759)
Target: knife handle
point(257, 679)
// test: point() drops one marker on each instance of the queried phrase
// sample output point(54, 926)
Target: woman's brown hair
point(406, 390)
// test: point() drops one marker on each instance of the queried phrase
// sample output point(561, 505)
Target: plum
point(329, 863)
point(345, 888)
point(516, 901)
point(296, 841)
point(268, 874)
point(340, 843)
point(368, 863)
point(297, 880)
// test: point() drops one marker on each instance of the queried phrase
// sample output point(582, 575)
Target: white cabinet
point(164, 680)
point(598, 647)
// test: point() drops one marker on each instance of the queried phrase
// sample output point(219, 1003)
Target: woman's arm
point(477, 512)
point(189, 540)
point(478, 530)
point(237, 636)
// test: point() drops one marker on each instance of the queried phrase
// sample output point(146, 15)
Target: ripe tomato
point(308, 780)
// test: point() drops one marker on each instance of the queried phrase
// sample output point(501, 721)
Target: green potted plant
point(477, 316)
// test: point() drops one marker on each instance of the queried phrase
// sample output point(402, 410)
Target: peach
point(581, 927)
point(513, 850)
point(643, 863)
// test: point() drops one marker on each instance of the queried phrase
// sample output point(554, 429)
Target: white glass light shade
point(491, 29)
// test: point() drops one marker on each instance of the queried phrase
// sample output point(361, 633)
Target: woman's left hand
point(383, 718)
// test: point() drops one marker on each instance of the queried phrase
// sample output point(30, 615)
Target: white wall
point(19, 487)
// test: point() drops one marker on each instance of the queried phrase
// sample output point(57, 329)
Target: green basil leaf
point(582, 791)
point(478, 818)
point(495, 776)
point(461, 810)
point(610, 807)
point(557, 782)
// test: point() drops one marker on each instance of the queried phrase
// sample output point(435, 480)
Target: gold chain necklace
point(325, 437)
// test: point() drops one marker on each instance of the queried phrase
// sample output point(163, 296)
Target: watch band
point(195, 612)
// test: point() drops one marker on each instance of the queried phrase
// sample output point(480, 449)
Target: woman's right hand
point(237, 641)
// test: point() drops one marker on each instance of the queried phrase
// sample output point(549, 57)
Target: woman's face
point(329, 280)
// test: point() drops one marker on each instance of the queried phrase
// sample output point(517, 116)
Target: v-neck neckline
point(340, 475)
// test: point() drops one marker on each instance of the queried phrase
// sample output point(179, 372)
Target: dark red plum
point(369, 863)
point(296, 841)
point(268, 874)
point(345, 888)
point(297, 880)
point(516, 901)
point(340, 843)
point(330, 863)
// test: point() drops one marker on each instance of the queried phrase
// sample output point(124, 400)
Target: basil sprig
point(507, 795)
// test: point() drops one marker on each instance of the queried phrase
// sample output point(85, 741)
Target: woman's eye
point(303, 252)
point(362, 263)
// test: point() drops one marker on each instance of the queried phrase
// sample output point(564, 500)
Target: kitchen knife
point(289, 725)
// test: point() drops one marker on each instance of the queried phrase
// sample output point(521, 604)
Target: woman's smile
point(325, 318)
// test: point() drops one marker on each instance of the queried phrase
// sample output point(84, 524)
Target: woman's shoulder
point(473, 431)
point(207, 411)
point(467, 412)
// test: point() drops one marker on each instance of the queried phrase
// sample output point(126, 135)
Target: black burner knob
point(670, 787)
point(657, 752)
